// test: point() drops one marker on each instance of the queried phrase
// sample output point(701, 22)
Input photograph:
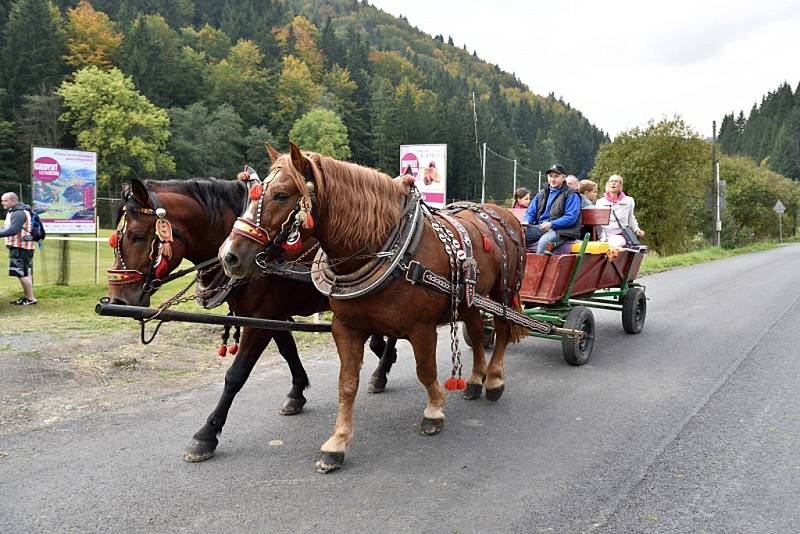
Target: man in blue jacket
point(554, 215)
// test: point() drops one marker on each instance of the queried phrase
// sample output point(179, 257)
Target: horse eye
point(280, 197)
point(137, 238)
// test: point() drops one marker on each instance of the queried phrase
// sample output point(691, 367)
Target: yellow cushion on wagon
point(592, 247)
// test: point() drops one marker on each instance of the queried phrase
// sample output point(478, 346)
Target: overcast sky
point(625, 62)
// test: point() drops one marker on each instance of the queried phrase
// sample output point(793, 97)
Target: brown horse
point(351, 210)
point(200, 213)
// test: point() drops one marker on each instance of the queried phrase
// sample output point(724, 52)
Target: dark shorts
point(20, 262)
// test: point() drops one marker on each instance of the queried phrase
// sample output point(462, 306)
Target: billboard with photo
point(429, 166)
point(64, 189)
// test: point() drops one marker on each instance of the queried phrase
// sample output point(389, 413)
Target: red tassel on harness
point(162, 269)
point(222, 351)
point(455, 384)
point(113, 240)
point(309, 221)
point(292, 247)
point(487, 245)
point(233, 349)
point(256, 191)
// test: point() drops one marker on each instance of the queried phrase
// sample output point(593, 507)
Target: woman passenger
point(622, 206)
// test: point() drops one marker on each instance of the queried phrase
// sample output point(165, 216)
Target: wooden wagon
point(561, 288)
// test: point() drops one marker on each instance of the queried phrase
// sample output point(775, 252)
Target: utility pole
point(715, 171)
point(475, 122)
point(514, 191)
point(483, 183)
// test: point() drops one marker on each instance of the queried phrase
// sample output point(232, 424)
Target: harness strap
point(465, 257)
point(416, 273)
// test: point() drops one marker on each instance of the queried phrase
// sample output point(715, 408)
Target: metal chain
point(451, 246)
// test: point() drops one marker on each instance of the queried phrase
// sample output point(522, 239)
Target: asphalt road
point(691, 426)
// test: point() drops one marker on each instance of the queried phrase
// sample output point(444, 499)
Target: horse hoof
point(292, 406)
point(430, 427)
point(377, 384)
point(473, 391)
point(495, 394)
point(200, 450)
point(329, 461)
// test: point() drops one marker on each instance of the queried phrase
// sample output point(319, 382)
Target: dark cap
point(557, 168)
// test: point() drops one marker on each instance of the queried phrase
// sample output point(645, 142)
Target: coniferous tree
point(32, 63)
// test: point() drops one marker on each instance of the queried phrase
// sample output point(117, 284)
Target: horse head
point(144, 248)
point(281, 213)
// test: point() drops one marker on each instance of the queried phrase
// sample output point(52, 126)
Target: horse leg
point(288, 349)
point(495, 374)
point(350, 345)
point(424, 344)
point(473, 322)
point(388, 355)
point(205, 441)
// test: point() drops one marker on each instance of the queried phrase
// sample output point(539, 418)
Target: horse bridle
point(160, 250)
point(288, 237)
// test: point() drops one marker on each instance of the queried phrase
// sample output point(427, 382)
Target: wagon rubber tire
point(634, 310)
point(488, 338)
point(578, 351)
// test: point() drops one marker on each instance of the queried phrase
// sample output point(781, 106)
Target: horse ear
point(273, 154)
point(140, 193)
point(298, 159)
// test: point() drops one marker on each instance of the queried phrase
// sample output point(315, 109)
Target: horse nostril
point(231, 259)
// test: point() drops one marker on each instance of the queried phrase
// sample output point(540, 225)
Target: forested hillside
point(771, 132)
point(180, 88)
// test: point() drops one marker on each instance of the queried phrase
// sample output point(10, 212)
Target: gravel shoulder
point(47, 377)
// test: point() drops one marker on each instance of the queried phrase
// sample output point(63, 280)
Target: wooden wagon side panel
point(546, 277)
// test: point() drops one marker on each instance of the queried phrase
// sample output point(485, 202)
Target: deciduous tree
point(321, 130)
point(666, 167)
point(92, 38)
point(109, 116)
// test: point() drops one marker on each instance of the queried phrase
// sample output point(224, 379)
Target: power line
point(510, 160)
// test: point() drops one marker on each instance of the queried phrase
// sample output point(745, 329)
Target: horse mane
point(361, 204)
point(216, 197)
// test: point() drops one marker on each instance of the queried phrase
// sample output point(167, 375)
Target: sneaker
point(23, 301)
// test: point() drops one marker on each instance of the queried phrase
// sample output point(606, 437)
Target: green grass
point(653, 263)
point(46, 262)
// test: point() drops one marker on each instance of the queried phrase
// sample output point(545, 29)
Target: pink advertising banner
point(64, 188)
point(428, 164)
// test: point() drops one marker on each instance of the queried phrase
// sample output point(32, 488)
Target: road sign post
point(779, 209)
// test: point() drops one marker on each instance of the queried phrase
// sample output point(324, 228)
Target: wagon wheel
point(634, 310)
point(488, 335)
point(578, 351)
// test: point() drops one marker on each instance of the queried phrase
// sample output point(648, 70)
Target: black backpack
point(37, 228)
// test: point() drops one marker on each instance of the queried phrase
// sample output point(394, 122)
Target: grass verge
point(653, 263)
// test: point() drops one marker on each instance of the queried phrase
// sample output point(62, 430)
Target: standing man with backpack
point(20, 244)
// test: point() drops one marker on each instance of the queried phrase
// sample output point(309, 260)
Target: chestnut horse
point(351, 210)
point(200, 213)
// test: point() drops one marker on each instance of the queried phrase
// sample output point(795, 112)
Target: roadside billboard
point(64, 189)
point(429, 166)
